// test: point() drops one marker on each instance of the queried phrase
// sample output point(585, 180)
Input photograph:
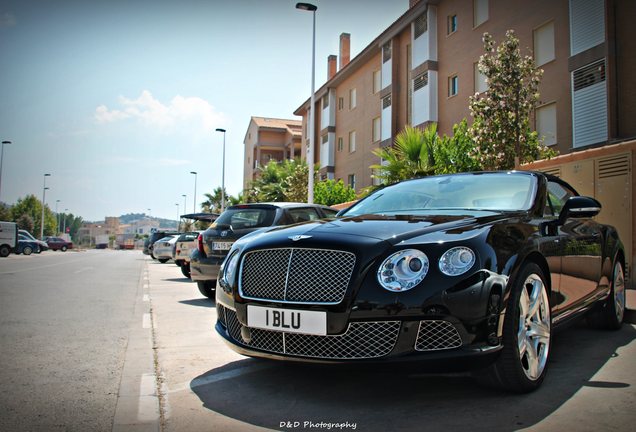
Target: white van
point(8, 238)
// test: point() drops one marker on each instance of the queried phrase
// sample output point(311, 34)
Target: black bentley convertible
point(475, 270)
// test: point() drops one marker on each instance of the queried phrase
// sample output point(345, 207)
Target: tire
point(28, 250)
point(4, 251)
point(163, 260)
point(63, 248)
point(611, 314)
point(522, 363)
point(185, 269)
point(207, 288)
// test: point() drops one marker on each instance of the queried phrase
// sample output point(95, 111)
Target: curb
point(630, 306)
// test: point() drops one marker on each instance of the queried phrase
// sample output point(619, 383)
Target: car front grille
point(362, 340)
point(435, 335)
point(294, 275)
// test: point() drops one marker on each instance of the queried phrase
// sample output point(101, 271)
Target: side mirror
point(579, 207)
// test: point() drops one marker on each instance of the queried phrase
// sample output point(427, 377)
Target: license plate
point(287, 320)
point(221, 245)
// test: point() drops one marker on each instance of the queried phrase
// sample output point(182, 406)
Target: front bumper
point(440, 343)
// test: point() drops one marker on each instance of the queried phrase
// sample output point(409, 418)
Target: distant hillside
point(132, 217)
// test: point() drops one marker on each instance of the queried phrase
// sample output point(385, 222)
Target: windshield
point(492, 191)
point(242, 218)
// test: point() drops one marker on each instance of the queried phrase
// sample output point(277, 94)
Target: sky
point(119, 99)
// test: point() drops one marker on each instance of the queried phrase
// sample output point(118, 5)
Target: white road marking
point(146, 323)
point(148, 406)
point(146, 297)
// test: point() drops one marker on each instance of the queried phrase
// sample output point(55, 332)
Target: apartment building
point(269, 139)
point(423, 68)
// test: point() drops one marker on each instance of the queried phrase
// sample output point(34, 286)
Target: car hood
point(392, 229)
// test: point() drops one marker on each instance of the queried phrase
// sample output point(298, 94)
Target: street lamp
point(310, 150)
point(64, 222)
point(222, 173)
point(178, 223)
point(1, 157)
point(194, 205)
point(44, 188)
point(184, 202)
point(57, 218)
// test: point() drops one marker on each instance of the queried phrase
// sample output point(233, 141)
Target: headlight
point(403, 270)
point(229, 270)
point(456, 261)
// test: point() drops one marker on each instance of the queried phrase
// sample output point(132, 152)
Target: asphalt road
point(114, 341)
point(65, 320)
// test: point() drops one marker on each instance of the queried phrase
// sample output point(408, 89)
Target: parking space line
point(146, 322)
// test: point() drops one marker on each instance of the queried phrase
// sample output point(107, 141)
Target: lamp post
point(178, 222)
point(57, 218)
point(310, 150)
point(184, 202)
point(64, 222)
point(44, 188)
point(222, 173)
point(194, 205)
point(1, 157)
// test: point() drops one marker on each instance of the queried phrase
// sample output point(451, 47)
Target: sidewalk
point(630, 306)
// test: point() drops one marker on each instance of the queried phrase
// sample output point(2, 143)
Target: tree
point(32, 207)
point(280, 181)
point(454, 154)
point(330, 192)
point(413, 155)
point(501, 128)
point(5, 212)
point(212, 204)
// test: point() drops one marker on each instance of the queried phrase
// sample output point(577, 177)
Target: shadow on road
point(390, 397)
point(202, 302)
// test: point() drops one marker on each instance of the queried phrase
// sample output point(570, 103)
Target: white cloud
point(152, 112)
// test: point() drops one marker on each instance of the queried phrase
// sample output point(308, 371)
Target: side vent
point(555, 171)
point(613, 166)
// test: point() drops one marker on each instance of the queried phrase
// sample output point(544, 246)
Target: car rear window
point(242, 218)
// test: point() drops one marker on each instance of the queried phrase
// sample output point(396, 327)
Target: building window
point(353, 102)
point(351, 180)
point(340, 103)
point(325, 139)
point(480, 80)
point(386, 102)
point(352, 141)
point(420, 81)
point(452, 24)
point(325, 101)
point(340, 144)
point(544, 44)
point(386, 52)
point(376, 133)
point(453, 85)
point(547, 123)
point(420, 26)
point(480, 12)
point(377, 81)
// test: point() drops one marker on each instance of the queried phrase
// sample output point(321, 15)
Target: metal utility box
point(604, 173)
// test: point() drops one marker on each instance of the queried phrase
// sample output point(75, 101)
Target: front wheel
point(163, 260)
point(28, 250)
point(4, 251)
point(63, 248)
point(527, 331)
point(207, 288)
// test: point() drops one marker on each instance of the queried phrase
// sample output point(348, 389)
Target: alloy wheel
point(619, 291)
point(533, 336)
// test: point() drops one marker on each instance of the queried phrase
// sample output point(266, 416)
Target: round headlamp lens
point(403, 270)
point(457, 261)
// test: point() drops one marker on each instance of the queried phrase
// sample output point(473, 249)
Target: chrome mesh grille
point(437, 335)
point(296, 275)
point(361, 340)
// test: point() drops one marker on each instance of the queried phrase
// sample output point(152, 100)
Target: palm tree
point(411, 156)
